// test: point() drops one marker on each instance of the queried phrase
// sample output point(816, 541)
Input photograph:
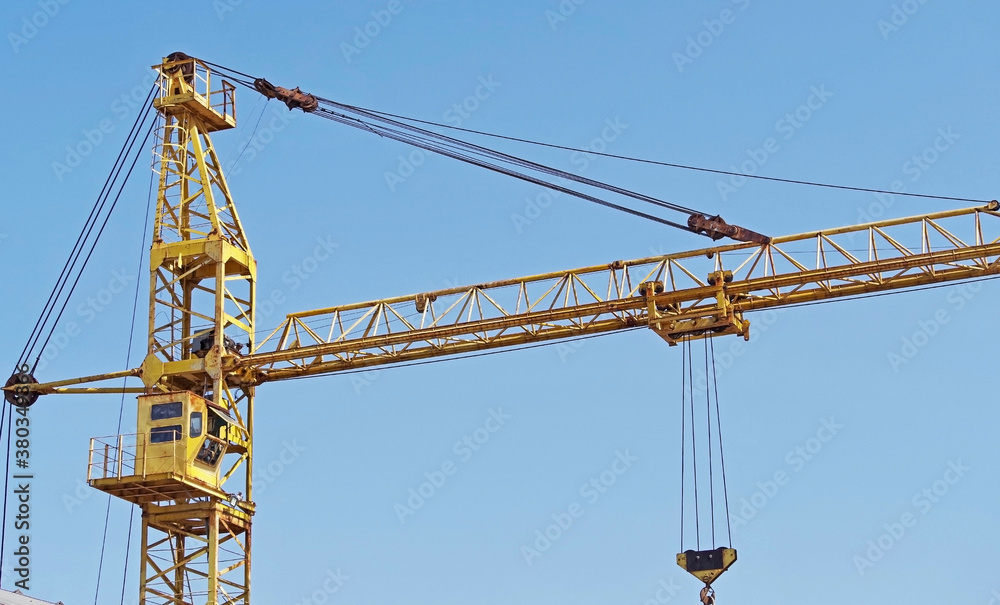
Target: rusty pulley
point(16, 390)
point(179, 64)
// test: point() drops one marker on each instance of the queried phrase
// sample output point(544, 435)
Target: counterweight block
point(707, 565)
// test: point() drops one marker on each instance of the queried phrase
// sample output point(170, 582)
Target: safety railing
point(223, 100)
point(197, 78)
point(128, 456)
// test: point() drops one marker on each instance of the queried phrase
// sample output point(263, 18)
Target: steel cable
point(69, 268)
point(93, 246)
point(722, 456)
point(711, 472)
point(679, 166)
point(386, 115)
point(494, 167)
point(511, 159)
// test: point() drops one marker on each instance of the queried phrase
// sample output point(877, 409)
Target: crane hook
point(707, 595)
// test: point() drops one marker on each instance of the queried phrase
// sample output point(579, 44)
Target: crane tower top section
point(185, 84)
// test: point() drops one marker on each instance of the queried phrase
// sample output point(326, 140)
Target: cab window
point(195, 425)
point(211, 451)
point(163, 411)
point(164, 434)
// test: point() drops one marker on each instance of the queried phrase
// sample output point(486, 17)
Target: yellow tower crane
point(188, 465)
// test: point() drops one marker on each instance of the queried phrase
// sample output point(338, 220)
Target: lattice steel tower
point(194, 437)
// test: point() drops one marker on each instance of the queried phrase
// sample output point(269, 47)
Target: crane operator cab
point(182, 434)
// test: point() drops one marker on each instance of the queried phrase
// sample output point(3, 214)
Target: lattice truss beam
point(698, 293)
point(191, 554)
point(178, 287)
point(194, 199)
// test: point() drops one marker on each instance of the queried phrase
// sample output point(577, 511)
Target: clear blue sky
point(704, 83)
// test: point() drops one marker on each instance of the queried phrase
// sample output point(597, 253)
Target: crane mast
point(188, 466)
point(195, 431)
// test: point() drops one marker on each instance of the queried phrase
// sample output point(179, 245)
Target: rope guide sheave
point(194, 434)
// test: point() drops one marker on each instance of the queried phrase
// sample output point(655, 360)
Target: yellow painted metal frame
point(195, 552)
point(686, 562)
point(697, 294)
point(202, 272)
point(897, 254)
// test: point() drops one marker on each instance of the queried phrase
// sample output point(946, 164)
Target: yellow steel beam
point(569, 304)
point(732, 279)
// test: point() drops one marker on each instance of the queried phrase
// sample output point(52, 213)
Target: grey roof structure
point(18, 598)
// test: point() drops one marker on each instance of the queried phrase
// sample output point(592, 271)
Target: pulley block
point(707, 565)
